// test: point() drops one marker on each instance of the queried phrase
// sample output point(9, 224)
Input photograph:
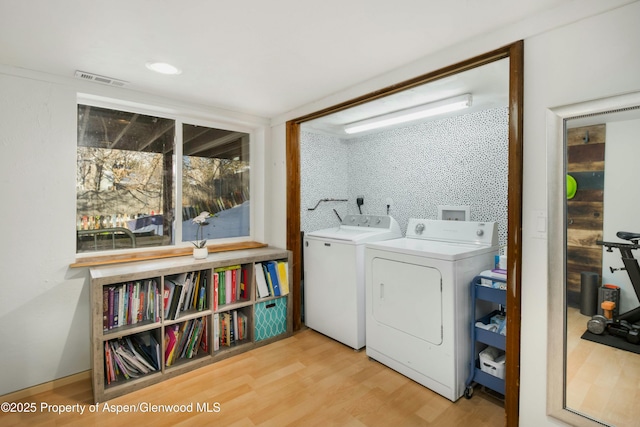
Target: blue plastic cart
point(498, 297)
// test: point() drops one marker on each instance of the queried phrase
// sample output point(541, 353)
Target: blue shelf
point(488, 337)
point(488, 380)
point(496, 295)
point(479, 335)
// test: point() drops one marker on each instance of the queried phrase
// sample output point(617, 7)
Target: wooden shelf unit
point(158, 271)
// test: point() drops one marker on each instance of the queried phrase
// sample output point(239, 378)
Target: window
point(215, 178)
point(131, 192)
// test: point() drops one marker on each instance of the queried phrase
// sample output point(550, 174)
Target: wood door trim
point(515, 53)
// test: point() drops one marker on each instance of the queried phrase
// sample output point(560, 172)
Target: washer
point(334, 275)
point(418, 299)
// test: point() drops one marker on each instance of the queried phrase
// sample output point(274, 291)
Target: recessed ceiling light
point(163, 68)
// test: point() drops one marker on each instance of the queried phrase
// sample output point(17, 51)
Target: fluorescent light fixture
point(414, 113)
point(163, 68)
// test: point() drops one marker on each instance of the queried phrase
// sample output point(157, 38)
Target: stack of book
point(183, 341)
point(130, 303)
point(230, 285)
point(131, 357)
point(230, 328)
point(184, 292)
point(272, 278)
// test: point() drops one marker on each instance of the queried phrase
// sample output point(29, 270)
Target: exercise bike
point(626, 324)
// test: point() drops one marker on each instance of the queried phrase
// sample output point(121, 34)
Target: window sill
point(159, 253)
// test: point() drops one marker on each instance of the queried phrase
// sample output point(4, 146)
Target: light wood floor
point(602, 381)
point(305, 380)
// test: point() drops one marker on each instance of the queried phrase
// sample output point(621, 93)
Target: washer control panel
point(484, 233)
point(375, 221)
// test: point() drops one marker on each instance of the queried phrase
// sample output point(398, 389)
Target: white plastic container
point(492, 362)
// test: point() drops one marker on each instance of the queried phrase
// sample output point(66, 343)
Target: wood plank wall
point(585, 162)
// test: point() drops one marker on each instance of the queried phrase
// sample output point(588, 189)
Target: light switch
point(539, 224)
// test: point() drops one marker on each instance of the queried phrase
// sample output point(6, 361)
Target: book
point(112, 290)
point(183, 282)
point(234, 284)
point(183, 337)
point(228, 294)
point(108, 362)
point(170, 338)
point(131, 360)
point(123, 368)
point(201, 336)
point(196, 290)
point(244, 284)
point(235, 325)
point(283, 277)
point(136, 303)
point(216, 332)
point(129, 302)
point(142, 296)
point(195, 337)
point(228, 332)
point(204, 343)
point(155, 348)
point(221, 287)
point(175, 301)
point(242, 326)
point(215, 292)
point(169, 289)
point(122, 297)
point(148, 348)
point(202, 297)
point(105, 309)
point(263, 289)
point(273, 276)
point(189, 285)
point(138, 353)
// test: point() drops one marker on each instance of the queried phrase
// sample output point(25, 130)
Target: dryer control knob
point(479, 232)
point(419, 228)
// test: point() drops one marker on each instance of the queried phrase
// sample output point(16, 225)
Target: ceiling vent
point(100, 79)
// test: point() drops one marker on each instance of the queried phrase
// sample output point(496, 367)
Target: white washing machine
point(418, 300)
point(334, 275)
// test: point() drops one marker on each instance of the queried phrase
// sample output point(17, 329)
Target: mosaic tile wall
point(455, 161)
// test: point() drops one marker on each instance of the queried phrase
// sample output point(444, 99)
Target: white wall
point(621, 201)
point(589, 57)
point(44, 309)
point(44, 304)
point(556, 75)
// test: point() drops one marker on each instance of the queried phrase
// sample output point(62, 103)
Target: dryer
point(418, 299)
point(334, 275)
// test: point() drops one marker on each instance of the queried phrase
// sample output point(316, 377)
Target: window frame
point(187, 116)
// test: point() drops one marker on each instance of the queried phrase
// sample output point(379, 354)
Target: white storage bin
point(492, 362)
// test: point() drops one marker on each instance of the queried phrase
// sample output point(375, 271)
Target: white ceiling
point(254, 56)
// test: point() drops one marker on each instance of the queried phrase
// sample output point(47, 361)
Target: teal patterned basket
point(270, 318)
